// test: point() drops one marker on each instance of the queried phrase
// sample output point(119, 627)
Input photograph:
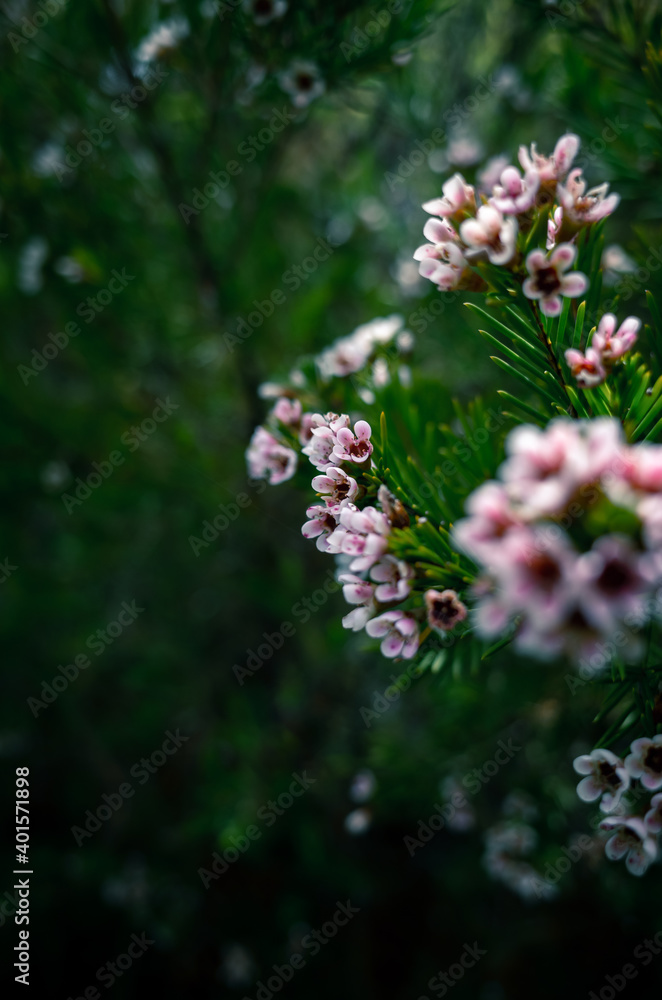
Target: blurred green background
point(348, 169)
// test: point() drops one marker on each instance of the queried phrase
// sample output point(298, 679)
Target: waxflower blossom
point(514, 194)
point(645, 762)
point(361, 534)
point(163, 38)
point(653, 818)
point(446, 267)
point(355, 589)
point(264, 11)
point(587, 369)
point(268, 459)
point(350, 354)
point(321, 523)
point(581, 207)
point(491, 233)
point(444, 609)
point(458, 198)
point(551, 168)
point(394, 577)
point(548, 280)
point(632, 840)
point(606, 778)
point(287, 411)
point(398, 631)
point(561, 598)
point(336, 485)
point(612, 343)
point(320, 429)
point(353, 446)
point(302, 81)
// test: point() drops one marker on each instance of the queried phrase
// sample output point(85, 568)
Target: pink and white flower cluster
point(607, 346)
point(468, 226)
point(569, 587)
point(350, 354)
point(608, 778)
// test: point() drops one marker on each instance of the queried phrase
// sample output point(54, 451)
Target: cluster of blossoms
point(608, 778)
point(506, 846)
point(607, 346)
point(350, 354)
point(540, 536)
point(470, 226)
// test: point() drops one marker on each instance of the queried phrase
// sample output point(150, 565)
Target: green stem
point(552, 357)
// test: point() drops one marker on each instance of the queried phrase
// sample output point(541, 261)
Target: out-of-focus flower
point(581, 207)
point(645, 761)
point(264, 11)
point(632, 840)
point(491, 233)
point(162, 39)
point(587, 369)
point(398, 631)
point(653, 818)
point(491, 173)
point(394, 577)
point(458, 199)
point(350, 354)
point(615, 263)
point(358, 821)
point(303, 81)
point(555, 167)
point(464, 150)
point(445, 609)
point(613, 345)
point(606, 778)
point(31, 260)
point(287, 411)
point(514, 194)
point(363, 786)
point(548, 280)
point(268, 459)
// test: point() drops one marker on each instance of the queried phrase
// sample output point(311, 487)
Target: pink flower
point(534, 574)
point(491, 233)
point(554, 225)
point(653, 818)
point(581, 209)
point(515, 194)
point(610, 584)
point(359, 617)
point(287, 412)
point(399, 632)
point(491, 516)
point(362, 535)
point(394, 577)
point(445, 609)
point(606, 778)
point(587, 368)
point(490, 175)
point(613, 345)
point(445, 267)
point(323, 429)
point(355, 589)
point(337, 485)
point(459, 197)
point(554, 167)
point(645, 761)
point(632, 841)
point(543, 467)
point(353, 446)
point(268, 459)
point(322, 522)
point(548, 281)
